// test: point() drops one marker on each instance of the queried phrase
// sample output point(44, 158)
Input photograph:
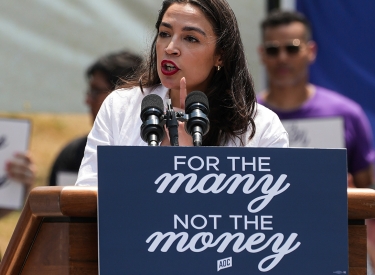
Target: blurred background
point(45, 47)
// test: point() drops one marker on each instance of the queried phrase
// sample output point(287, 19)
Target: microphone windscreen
point(151, 101)
point(196, 97)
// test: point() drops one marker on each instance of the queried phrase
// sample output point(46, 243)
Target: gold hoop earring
point(218, 68)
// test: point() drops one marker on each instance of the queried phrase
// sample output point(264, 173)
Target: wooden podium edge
point(51, 201)
point(361, 203)
point(75, 201)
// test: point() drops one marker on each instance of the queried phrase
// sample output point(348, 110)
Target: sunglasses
point(273, 49)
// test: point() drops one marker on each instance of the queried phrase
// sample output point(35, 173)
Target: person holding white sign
point(20, 168)
point(287, 50)
point(197, 46)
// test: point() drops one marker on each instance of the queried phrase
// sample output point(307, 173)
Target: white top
point(118, 123)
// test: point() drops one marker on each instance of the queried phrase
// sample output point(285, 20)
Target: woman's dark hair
point(230, 92)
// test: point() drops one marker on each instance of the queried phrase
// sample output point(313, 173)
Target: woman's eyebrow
point(167, 25)
point(186, 28)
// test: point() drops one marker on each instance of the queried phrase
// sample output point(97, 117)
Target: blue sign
point(221, 210)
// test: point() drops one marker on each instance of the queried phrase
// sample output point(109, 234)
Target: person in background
point(286, 52)
point(20, 168)
point(102, 77)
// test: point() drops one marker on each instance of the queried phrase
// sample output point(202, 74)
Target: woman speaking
point(197, 46)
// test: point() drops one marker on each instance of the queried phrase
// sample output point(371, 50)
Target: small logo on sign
point(224, 263)
point(340, 272)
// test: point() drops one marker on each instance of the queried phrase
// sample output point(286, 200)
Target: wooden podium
point(57, 232)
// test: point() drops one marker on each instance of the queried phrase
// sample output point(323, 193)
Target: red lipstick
point(168, 67)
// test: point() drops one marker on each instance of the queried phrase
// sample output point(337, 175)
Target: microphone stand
point(172, 124)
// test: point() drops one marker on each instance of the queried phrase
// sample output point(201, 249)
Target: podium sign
point(221, 210)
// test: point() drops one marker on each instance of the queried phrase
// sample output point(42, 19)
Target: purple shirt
point(358, 135)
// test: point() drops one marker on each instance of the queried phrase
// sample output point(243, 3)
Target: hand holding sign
point(21, 168)
point(17, 169)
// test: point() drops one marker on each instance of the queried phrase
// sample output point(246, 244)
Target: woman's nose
point(172, 48)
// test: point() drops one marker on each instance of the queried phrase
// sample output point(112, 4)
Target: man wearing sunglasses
point(286, 52)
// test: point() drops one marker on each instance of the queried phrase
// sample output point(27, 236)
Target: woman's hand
point(184, 139)
point(183, 93)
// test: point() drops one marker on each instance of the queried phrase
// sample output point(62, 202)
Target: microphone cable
point(172, 124)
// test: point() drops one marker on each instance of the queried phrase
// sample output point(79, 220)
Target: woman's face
point(185, 47)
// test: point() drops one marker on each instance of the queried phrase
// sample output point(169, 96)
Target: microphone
point(196, 107)
point(152, 110)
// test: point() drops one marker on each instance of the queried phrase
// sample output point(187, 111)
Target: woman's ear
point(219, 62)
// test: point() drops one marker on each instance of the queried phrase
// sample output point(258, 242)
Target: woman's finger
point(183, 93)
point(183, 137)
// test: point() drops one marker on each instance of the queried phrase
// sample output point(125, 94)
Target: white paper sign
point(14, 137)
point(66, 178)
point(325, 132)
